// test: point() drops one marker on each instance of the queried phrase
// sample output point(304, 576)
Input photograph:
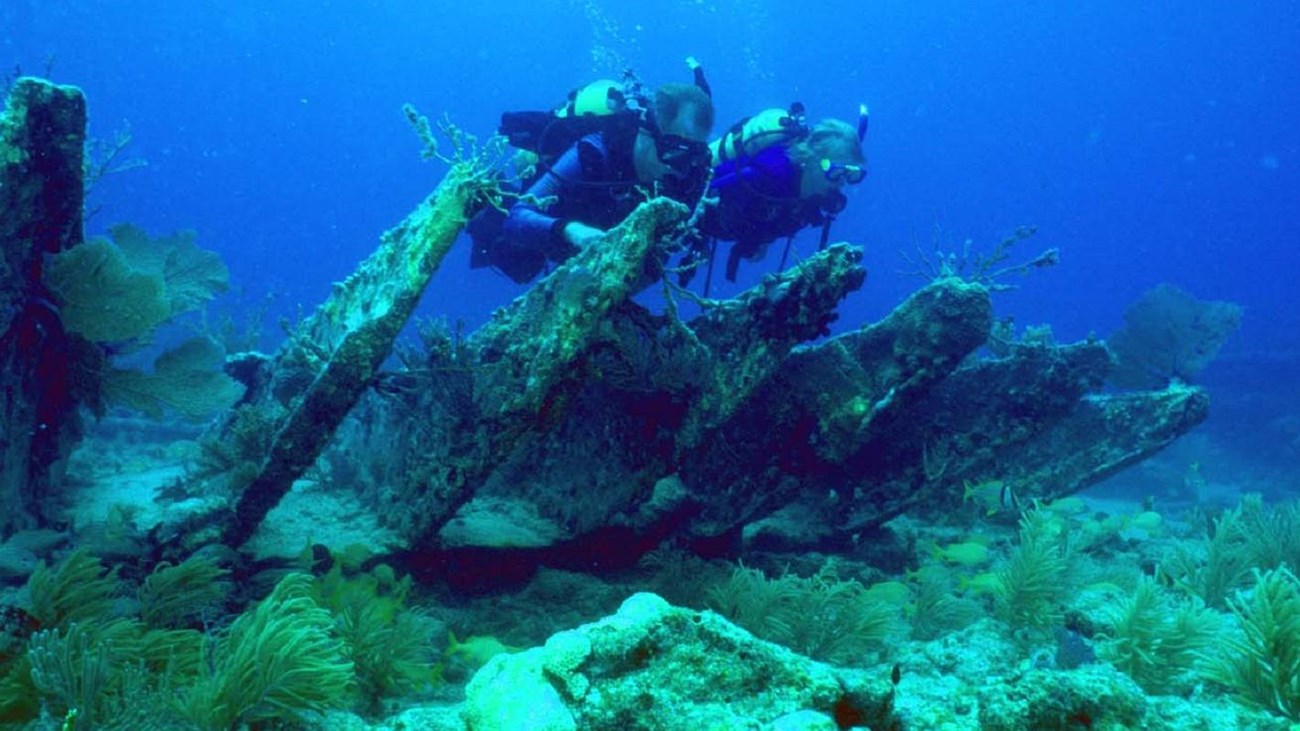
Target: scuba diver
point(773, 175)
point(592, 155)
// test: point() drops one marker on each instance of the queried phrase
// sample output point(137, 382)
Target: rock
point(655, 666)
point(500, 523)
point(41, 542)
point(16, 563)
point(804, 721)
point(512, 692)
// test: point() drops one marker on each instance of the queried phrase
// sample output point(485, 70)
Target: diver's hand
point(580, 234)
point(691, 63)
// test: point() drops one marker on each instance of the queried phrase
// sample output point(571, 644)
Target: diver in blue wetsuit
point(773, 176)
point(634, 142)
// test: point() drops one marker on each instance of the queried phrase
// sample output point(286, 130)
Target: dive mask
point(685, 156)
point(841, 173)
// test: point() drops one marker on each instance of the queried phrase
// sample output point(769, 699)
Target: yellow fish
point(889, 592)
point(985, 583)
point(1070, 505)
point(476, 650)
point(1147, 521)
point(465, 658)
point(991, 495)
point(927, 573)
point(969, 553)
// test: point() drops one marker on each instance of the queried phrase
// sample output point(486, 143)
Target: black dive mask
point(686, 157)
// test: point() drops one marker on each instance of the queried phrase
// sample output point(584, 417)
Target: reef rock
point(653, 665)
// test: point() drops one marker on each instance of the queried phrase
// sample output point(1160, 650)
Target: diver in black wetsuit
point(592, 185)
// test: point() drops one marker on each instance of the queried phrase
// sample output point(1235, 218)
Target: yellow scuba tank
point(759, 132)
point(598, 106)
point(598, 98)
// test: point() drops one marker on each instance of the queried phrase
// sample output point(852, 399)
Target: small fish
point(1105, 587)
point(1114, 523)
point(980, 584)
point(463, 659)
point(889, 592)
point(1147, 521)
point(930, 572)
point(968, 553)
point(993, 496)
point(477, 650)
point(1071, 505)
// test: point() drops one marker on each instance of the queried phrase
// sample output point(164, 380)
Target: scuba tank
point(599, 98)
point(754, 134)
point(616, 108)
point(586, 110)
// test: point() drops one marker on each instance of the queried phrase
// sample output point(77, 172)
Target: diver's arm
point(527, 224)
point(698, 72)
point(580, 234)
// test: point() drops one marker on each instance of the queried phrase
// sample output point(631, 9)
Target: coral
point(70, 668)
point(1215, 566)
point(1251, 536)
point(1030, 588)
point(819, 616)
point(1262, 665)
point(937, 609)
point(1091, 697)
point(67, 664)
point(122, 289)
point(101, 297)
point(389, 644)
point(99, 675)
point(186, 379)
point(973, 266)
point(79, 589)
point(654, 666)
point(1271, 533)
point(181, 595)
point(176, 653)
point(1169, 334)
point(1156, 643)
point(679, 576)
point(751, 600)
point(191, 276)
point(244, 440)
point(18, 698)
point(275, 662)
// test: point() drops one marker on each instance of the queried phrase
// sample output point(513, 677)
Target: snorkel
point(833, 203)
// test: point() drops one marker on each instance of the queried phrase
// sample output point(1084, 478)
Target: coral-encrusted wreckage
point(579, 425)
point(42, 136)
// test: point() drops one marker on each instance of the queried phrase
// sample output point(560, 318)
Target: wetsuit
point(591, 183)
point(758, 203)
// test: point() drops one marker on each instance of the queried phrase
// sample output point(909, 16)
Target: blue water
point(1150, 142)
